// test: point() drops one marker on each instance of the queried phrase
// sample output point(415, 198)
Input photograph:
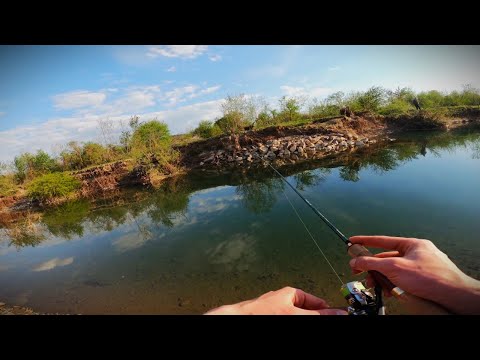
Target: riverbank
point(16, 310)
point(279, 145)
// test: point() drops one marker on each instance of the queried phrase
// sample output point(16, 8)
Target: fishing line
point(309, 233)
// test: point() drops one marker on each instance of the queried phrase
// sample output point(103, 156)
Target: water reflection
point(148, 212)
point(53, 263)
point(235, 253)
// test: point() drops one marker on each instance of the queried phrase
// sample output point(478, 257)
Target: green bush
point(151, 136)
point(370, 100)
point(232, 123)
point(206, 129)
point(52, 185)
point(7, 185)
point(151, 144)
point(27, 165)
point(397, 106)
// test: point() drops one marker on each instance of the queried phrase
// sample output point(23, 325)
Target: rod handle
point(414, 304)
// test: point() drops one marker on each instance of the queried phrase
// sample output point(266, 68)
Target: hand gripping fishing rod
point(414, 304)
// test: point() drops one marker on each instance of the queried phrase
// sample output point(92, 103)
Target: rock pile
point(285, 150)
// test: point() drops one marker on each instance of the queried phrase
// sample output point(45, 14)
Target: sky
point(50, 95)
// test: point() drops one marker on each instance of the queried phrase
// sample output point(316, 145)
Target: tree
point(290, 108)
point(126, 135)
point(239, 111)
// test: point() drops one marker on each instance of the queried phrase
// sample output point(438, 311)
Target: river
point(208, 239)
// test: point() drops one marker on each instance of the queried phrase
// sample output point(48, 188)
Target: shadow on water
point(210, 236)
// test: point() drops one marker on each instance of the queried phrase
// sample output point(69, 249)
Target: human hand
point(286, 301)
point(420, 268)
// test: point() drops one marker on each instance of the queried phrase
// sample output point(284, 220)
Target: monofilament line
point(309, 233)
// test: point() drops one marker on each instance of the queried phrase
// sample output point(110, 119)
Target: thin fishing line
point(309, 233)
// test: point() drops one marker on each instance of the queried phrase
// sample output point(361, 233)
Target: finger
point(297, 311)
point(332, 312)
point(387, 254)
point(369, 281)
point(367, 263)
point(308, 301)
point(400, 244)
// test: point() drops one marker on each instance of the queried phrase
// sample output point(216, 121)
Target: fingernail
point(340, 312)
point(352, 262)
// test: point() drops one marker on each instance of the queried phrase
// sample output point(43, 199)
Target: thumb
point(298, 311)
point(366, 263)
point(332, 312)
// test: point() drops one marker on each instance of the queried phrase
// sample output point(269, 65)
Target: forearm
point(463, 298)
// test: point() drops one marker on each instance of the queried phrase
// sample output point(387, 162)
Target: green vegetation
point(27, 166)
point(7, 185)
point(151, 145)
point(51, 186)
point(207, 129)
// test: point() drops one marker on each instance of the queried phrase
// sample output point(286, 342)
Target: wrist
point(465, 297)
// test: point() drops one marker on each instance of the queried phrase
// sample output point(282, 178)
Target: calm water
point(211, 239)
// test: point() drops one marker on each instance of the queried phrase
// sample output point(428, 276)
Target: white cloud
point(215, 58)
point(177, 95)
point(2, 113)
point(78, 99)
point(51, 264)
point(334, 68)
point(299, 91)
point(172, 69)
point(180, 51)
point(84, 126)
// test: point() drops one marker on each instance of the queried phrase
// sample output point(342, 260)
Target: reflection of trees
point(108, 219)
point(260, 195)
point(476, 151)
point(350, 172)
point(165, 204)
point(311, 177)
point(26, 233)
point(386, 159)
point(67, 219)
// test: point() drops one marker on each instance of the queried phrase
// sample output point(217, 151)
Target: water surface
point(210, 239)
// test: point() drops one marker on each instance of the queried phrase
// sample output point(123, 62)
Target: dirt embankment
point(279, 145)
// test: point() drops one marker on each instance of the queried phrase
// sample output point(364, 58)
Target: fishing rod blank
point(320, 215)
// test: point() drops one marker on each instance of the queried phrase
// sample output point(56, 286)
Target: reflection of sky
point(53, 263)
point(436, 197)
point(234, 253)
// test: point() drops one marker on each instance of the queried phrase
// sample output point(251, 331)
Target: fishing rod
point(360, 299)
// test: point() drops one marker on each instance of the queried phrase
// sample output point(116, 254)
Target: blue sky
point(50, 95)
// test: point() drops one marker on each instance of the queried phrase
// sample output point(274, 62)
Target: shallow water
point(210, 239)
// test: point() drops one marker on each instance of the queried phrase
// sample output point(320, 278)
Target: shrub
point(370, 100)
point(28, 165)
point(206, 129)
point(396, 106)
point(52, 185)
point(7, 185)
point(232, 123)
point(151, 144)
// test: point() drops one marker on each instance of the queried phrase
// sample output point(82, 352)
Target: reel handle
point(414, 304)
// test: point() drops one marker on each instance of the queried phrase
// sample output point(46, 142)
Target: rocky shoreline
point(16, 310)
point(286, 150)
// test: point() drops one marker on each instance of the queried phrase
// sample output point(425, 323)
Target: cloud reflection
point(235, 253)
point(53, 263)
